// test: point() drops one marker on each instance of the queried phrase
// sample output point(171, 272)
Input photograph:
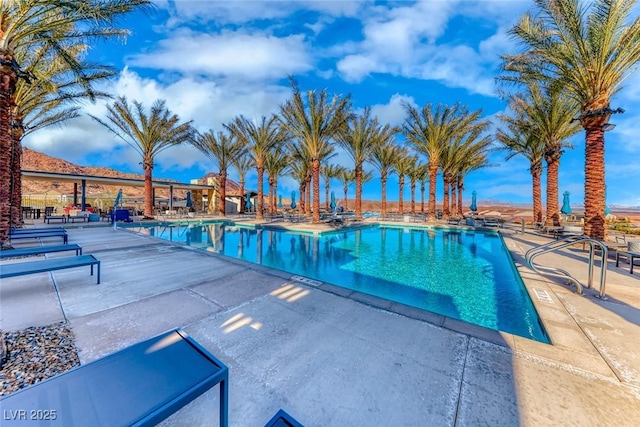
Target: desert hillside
point(36, 161)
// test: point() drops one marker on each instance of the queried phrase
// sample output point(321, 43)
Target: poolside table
point(630, 256)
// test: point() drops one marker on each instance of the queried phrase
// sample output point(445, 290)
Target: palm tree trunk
point(16, 170)
point(359, 192)
point(272, 193)
point(433, 171)
point(454, 208)
point(8, 79)
point(326, 195)
point(307, 205)
point(460, 190)
point(422, 190)
point(445, 198)
point(383, 182)
point(400, 194)
point(303, 192)
point(346, 189)
point(413, 197)
point(242, 203)
point(594, 191)
point(315, 170)
point(537, 194)
point(148, 187)
point(223, 191)
point(260, 170)
point(553, 211)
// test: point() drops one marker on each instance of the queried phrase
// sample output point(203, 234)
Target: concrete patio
point(334, 357)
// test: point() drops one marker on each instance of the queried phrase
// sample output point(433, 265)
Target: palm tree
point(259, 139)
point(431, 131)
point(243, 164)
point(224, 149)
point(53, 30)
point(347, 177)
point(520, 139)
point(403, 164)
point(423, 177)
point(43, 103)
point(383, 159)
point(329, 171)
point(551, 114)
point(359, 139)
point(276, 164)
point(313, 125)
point(149, 135)
point(300, 172)
point(416, 172)
point(589, 50)
point(476, 158)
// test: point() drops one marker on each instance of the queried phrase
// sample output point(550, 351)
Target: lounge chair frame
point(46, 265)
point(8, 253)
point(41, 234)
point(140, 385)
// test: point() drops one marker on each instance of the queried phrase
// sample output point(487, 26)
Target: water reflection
point(464, 275)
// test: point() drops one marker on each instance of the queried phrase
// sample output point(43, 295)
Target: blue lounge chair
point(282, 419)
point(39, 235)
point(140, 385)
point(45, 265)
point(9, 253)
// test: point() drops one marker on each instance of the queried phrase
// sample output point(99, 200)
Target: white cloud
point(393, 112)
point(243, 11)
point(237, 54)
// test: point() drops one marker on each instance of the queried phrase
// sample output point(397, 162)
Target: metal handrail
point(561, 273)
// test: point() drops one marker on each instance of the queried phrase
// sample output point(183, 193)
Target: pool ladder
point(555, 245)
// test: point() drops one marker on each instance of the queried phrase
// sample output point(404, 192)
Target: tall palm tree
point(383, 159)
point(259, 138)
point(44, 102)
point(225, 150)
point(29, 28)
point(403, 164)
point(276, 164)
point(300, 172)
point(243, 164)
point(347, 176)
point(149, 135)
point(551, 113)
point(359, 139)
point(313, 124)
point(520, 139)
point(589, 49)
point(475, 158)
point(329, 172)
point(416, 172)
point(423, 177)
point(431, 131)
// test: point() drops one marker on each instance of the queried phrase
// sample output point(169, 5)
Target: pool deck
point(334, 357)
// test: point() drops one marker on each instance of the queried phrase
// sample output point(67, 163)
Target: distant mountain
point(36, 161)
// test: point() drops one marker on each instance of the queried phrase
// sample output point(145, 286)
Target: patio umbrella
point(473, 206)
point(189, 202)
point(293, 200)
point(566, 206)
point(280, 201)
point(332, 205)
point(247, 202)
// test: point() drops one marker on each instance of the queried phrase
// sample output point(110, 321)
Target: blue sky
point(214, 60)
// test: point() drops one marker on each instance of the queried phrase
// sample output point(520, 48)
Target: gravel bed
point(35, 354)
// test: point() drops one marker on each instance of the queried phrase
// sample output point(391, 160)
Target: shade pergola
point(83, 180)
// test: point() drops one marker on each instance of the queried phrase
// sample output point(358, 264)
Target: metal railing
point(555, 245)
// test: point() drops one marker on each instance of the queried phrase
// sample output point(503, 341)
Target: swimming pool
point(463, 274)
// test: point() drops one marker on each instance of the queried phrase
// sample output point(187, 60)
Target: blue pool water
point(466, 275)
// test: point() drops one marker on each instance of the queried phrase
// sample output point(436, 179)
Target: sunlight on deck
point(290, 293)
point(238, 321)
